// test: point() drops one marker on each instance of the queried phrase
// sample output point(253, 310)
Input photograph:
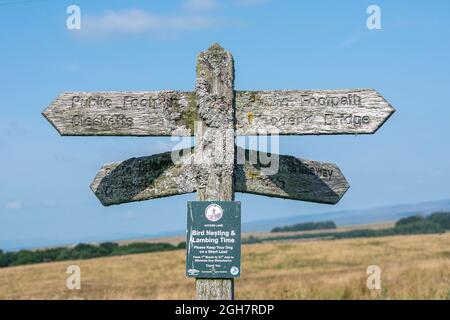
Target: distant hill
point(353, 217)
point(306, 226)
point(435, 223)
point(341, 218)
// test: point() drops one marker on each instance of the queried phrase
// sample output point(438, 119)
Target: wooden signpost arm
point(311, 112)
point(145, 178)
point(214, 143)
point(140, 113)
point(173, 113)
point(289, 177)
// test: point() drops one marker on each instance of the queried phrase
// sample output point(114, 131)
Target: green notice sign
point(213, 247)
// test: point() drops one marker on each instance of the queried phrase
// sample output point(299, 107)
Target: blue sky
point(152, 45)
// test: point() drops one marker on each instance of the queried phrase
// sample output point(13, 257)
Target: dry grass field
point(413, 267)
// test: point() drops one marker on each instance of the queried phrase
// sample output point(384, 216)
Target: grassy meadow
point(413, 267)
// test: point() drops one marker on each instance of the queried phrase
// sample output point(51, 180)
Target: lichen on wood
point(215, 140)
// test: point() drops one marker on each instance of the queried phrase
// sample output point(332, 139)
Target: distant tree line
point(82, 251)
point(307, 226)
point(435, 223)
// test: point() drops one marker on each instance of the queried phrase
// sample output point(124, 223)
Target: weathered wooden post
point(215, 154)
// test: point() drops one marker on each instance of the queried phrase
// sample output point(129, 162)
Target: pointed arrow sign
point(162, 113)
point(289, 177)
point(311, 112)
point(165, 113)
point(144, 178)
point(157, 176)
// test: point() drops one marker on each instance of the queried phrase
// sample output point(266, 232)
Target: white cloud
point(351, 40)
point(48, 203)
point(129, 215)
point(190, 16)
point(216, 4)
point(12, 128)
point(249, 2)
point(197, 5)
point(14, 205)
point(137, 21)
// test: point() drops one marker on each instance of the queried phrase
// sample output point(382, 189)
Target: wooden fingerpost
point(213, 170)
point(215, 154)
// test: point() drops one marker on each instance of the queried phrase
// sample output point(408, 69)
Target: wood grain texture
point(214, 145)
point(162, 113)
point(310, 112)
point(156, 176)
point(214, 289)
point(165, 113)
point(289, 177)
point(145, 178)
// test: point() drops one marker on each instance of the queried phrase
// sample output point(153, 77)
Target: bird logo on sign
point(214, 212)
